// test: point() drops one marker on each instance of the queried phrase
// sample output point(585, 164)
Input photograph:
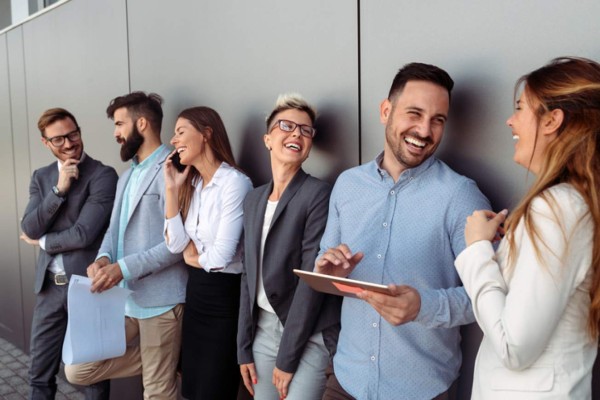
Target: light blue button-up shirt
point(410, 232)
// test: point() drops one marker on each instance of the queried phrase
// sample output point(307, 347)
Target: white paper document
point(96, 326)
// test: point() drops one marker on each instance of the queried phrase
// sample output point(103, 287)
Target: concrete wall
point(236, 56)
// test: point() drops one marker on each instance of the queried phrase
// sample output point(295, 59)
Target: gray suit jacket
point(292, 242)
point(73, 225)
point(158, 278)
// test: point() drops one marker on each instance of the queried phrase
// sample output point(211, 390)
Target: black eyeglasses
point(58, 141)
point(289, 126)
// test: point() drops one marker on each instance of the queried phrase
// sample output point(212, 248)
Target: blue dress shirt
point(410, 232)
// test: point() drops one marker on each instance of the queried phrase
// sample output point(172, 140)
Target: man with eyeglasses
point(68, 212)
point(399, 220)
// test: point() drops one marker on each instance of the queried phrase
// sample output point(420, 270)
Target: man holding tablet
point(400, 219)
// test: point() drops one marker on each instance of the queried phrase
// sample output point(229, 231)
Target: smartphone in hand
point(177, 163)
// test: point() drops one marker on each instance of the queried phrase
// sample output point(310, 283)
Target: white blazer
point(534, 317)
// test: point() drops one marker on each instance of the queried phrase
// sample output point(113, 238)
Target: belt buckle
point(60, 279)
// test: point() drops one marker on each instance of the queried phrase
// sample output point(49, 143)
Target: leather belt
point(58, 279)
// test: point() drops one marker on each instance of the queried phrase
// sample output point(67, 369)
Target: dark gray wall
point(236, 56)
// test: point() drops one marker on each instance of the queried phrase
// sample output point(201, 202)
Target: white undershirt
point(261, 296)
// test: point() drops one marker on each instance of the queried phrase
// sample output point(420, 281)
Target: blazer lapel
point(148, 179)
point(289, 193)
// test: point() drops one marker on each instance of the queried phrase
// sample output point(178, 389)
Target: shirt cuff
point(124, 270)
point(104, 255)
point(42, 242)
point(429, 306)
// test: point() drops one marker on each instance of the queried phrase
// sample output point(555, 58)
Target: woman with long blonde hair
point(537, 299)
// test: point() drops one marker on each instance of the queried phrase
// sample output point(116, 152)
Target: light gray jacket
point(158, 277)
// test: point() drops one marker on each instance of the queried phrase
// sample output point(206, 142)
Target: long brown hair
point(208, 122)
point(573, 86)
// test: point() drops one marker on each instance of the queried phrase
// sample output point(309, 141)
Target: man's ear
point(385, 108)
point(46, 142)
point(552, 121)
point(141, 124)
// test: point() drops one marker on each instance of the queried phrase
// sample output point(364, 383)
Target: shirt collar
point(409, 173)
point(149, 160)
point(217, 177)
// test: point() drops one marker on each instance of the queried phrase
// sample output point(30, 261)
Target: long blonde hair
point(573, 86)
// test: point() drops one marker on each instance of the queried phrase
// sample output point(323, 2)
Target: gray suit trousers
point(47, 334)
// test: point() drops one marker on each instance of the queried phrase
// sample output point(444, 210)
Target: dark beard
point(132, 144)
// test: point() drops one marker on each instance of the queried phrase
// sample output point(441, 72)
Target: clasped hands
point(103, 274)
point(401, 306)
point(484, 225)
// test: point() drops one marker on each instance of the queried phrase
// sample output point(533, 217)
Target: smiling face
point(289, 148)
point(532, 135)
point(69, 149)
point(189, 142)
point(414, 124)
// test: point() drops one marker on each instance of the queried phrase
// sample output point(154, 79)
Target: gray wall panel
point(76, 57)
point(237, 56)
point(20, 127)
point(485, 46)
point(11, 307)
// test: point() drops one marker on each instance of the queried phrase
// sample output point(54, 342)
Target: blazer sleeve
point(244, 333)
point(306, 304)
point(520, 322)
point(42, 209)
point(92, 217)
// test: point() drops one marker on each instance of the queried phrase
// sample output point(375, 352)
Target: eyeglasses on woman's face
point(289, 126)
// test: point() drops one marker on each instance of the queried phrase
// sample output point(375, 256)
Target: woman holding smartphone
point(204, 221)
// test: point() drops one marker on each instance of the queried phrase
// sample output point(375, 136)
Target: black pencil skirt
point(208, 344)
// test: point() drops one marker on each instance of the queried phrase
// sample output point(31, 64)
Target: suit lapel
point(148, 179)
point(288, 194)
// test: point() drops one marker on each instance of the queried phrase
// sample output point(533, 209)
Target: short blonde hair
point(291, 101)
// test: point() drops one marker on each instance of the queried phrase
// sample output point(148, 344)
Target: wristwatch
point(57, 192)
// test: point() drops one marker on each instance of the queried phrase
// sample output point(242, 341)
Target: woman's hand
point(484, 225)
point(249, 376)
point(282, 380)
point(190, 255)
point(173, 178)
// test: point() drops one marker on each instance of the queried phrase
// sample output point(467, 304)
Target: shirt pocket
point(535, 379)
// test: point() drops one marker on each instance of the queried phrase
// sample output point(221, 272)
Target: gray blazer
point(73, 225)
point(158, 277)
point(292, 242)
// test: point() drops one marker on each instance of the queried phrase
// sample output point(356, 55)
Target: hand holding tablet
point(339, 286)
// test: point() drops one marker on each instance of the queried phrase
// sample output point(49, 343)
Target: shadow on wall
point(254, 157)
point(332, 143)
point(463, 141)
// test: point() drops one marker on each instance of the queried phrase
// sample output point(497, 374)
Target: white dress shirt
point(534, 316)
point(214, 221)
point(261, 295)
